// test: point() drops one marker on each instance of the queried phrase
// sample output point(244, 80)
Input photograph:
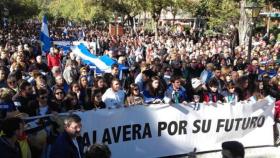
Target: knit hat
point(196, 83)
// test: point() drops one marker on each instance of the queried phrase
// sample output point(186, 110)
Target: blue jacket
point(65, 148)
point(148, 98)
point(174, 96)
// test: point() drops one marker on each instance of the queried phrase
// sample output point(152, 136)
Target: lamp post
point(252, 11)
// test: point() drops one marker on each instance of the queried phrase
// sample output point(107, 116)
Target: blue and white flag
point(102, 64)
point(90, 59)
point(44, 36)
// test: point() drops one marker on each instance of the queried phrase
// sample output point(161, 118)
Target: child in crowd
point(212, 95)
point(230, 96)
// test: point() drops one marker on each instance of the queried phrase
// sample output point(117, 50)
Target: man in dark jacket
point(9, 146)
point(68, 144)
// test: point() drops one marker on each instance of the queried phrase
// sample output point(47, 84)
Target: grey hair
point(55, 68)
point(72, 118)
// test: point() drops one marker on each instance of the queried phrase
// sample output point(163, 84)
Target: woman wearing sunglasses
point(57, 100)
point(135, 97)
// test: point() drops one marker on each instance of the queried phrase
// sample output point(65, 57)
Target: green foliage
point(219, 12)
point(149, 27)
point(78, 10)
point(209, 33)
point(156, 6)
point(187, 28)
point(21, 9)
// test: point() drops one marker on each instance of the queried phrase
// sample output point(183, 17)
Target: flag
point(90, 59)
point(102, 63)
point(65, 31)
point(44, 36)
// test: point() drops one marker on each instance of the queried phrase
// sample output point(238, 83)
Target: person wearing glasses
point(40, 105)
point(57, 101)
point(135, 97)
point(12, 84)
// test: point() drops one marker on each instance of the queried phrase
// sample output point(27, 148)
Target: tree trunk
point(156, 18)
point(156, 28)
point(243, 24)
point(145, 19)
point(174, 16)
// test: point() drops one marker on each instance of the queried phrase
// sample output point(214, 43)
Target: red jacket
point(53, 60)
point(214, 97)
point(277, 109)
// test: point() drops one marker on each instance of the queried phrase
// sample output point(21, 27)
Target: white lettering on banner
point(164, 130)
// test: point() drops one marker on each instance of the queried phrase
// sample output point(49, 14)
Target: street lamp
point(252, 11)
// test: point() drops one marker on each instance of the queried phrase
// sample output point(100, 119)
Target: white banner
point(164, 130)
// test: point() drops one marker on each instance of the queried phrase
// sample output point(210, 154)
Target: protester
point(213, 95)
point(71, 102)
point(68, 144)
point(22, 98)
point(114, 96)
point(169, 69)
point(9, 142)
point(233, 149)
point(175, 92)
point(57, 102)
point(54, 58)
point(98, 150)
point(134, 97)
point(154, 93)
point(99, 83)
point(230, 96)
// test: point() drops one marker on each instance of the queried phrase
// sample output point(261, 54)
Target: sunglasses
point(135, 89)
point(57, 93)
point(11, 82)
point(43, 97)
point(98, 96)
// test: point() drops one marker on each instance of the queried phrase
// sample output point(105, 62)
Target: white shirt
point(74, 140)
point(113, 99)
point(139, 81)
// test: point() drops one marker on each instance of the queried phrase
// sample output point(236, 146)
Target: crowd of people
point(169, 69)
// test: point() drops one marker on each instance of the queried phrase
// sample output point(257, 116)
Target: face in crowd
point(84, 81)
point(115, 71)
point(73, 129)
point(12, 83)
point(59, 80)
point(98, 97)
point(76, 88)
point(176, 84)
point(155, 84)
point(100, 83)
point(2, 75)
point(115, 85)
point(59, 94)
point(43, 99)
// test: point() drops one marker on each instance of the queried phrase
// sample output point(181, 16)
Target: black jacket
point(64, 147)
point(7, 151)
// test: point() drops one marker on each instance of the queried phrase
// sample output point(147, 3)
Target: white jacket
point(113, 99)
